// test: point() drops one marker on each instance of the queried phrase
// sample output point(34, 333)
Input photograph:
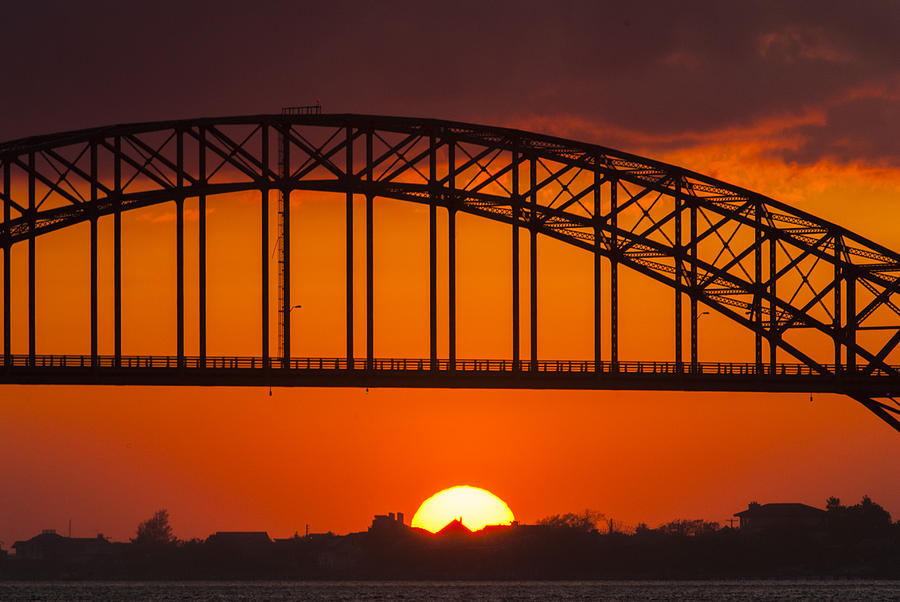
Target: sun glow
point(476, 508)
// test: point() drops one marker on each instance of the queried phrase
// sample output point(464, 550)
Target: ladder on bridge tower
point(315, 109)
point(282, 200)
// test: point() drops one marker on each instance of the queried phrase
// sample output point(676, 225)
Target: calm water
point(534, 590)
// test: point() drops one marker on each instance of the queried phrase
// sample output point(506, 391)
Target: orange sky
point(222, 459)
point(798, 101)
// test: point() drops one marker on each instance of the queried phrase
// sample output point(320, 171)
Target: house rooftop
point(455, 527)
point(780, 509)
point(240, 537)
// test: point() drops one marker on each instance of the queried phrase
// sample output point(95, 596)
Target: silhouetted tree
point(690, 528)
point(586, 521)
point(155, 530)
point(872, 517)
point(616, 526)
point(865, 519)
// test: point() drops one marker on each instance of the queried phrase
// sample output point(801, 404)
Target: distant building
point(454, 528)
point(387, 523)
point(49, 545)
point(239, 539)
point(781, 517)
point(308, 537)
point(491, 529)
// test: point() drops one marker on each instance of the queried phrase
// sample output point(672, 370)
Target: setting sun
point(475, 507)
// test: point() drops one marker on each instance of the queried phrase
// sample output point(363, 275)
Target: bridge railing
point(330, 364)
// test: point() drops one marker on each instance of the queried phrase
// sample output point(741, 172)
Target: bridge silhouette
point(819, 300)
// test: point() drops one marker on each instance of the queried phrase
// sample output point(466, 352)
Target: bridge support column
point(773, 322)
point(850, 335)
point(598, 256)
point(679, 277)
point(694, 316)
point(286, 277)
point(264, 249)
point(516, 213)
point(451, 254)
point(179, 285)
point(32, 258)
point(201, 252)
point(285, 259)
point(370, 261)
point(117, 254)
point(451, 285)
point(532, 264)
point(179, 251)
point(7, 266)
point(348, 173)
point(94, 350)
point(759, 283)
point(94, 272)
point(838, 334)
point(370, 284)
point(264, 268)
point(432, 254)
point(614, 275)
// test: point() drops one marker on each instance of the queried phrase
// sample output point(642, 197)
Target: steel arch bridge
point(807, 289)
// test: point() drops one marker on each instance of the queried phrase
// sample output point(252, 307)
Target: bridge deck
point(419, 373)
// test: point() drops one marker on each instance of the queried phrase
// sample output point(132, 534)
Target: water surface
point(453, 590)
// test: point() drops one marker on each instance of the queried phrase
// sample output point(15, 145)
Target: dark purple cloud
point(863, 129)
point(661, 68)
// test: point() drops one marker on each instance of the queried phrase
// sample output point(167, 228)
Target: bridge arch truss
point(775, 270)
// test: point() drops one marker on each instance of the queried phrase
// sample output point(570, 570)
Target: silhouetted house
point(49, 545)
point(387, 523)
point(340, 555)
point(501, 529)
point(308, 541)
point(781, 517)
point(240, 542)
point(454, 528)
point(239, 538)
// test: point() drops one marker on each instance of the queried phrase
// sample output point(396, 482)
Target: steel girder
point(778, 271)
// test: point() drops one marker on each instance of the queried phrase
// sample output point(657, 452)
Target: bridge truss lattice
point(806, 288)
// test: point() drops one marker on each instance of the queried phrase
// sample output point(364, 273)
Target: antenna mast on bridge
point(315, 109)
